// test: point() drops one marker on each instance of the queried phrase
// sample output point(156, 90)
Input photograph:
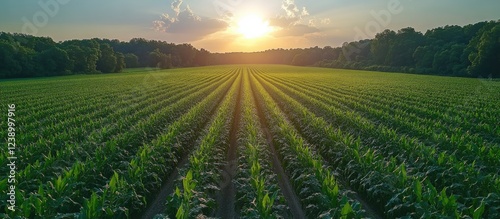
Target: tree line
point(30, 56)
point(472, 50)
point(469, 51)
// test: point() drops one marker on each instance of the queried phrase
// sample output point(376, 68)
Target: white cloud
point(304, 12)
point(176, 6)
point(312, 22)
point(187, 24)
point(325, 21)
point(291, 23)
point(319, 22)
point(290, 8)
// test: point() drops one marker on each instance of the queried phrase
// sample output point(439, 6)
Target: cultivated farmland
point(252, 141)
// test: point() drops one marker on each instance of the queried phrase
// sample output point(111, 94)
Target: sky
point(226, 25)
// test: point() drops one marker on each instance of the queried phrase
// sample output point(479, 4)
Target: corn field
point(252, 141)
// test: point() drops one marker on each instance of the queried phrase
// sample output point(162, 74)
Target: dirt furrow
point(226, 199)
point(158, 204)
point(284, 182)
point(370, 210)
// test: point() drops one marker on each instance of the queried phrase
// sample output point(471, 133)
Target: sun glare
point(253, 26)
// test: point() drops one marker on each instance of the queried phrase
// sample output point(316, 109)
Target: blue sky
point(294, 23)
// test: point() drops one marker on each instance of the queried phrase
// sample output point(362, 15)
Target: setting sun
point(253, 26)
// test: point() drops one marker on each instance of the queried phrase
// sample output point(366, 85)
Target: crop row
point(386, 169)
point(383, 136)
point(41, 171)
point(314, 182)
point(62, 140)
point(195, 195)
point(66, 193)
point(259, 195)
point(414, 117)
point(152, 163)
point(254, 142)
point(463, 146)
point(460, 108)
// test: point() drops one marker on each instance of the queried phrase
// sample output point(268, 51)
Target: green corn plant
point(92, 208)
point(478, 212)
point(181, 212)
point(256, 187)
point(304, 152)
point(441, 158)
point(255, 170)
point(417, 190)
point(40, 202)
point(403, 175)
point(267, 205)
point(448, 203)
point(185, 196)
point(347, 211)
point(100, 160)
point(402, 169)
point(331, 188)
point(134, 197)
point(202, 159)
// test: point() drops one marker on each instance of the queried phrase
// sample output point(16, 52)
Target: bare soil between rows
point(158, 205)
point(226, 198)
point(284, 182)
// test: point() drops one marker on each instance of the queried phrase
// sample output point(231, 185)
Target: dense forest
point(472, 50)
point(29, 56)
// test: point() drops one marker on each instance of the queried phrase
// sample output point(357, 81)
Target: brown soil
point(157, 206)
point(283, 180)
point(226, 199)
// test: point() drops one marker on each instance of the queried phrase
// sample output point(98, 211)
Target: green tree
point(77, 57)
point(186, 53)
point(131, 60)
point(9, 65)
point(92, 52)
point(84, 54)
point(485, 57)
point(54, 61)
point(120, 62)
point(202, 58)
point(154, 58)
point(160, 60)
point(107, 61)
point(381, 45)
point(424, 58)
point(451, 60)
point(300, 59)
point(165, 61)
point(403, 47)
